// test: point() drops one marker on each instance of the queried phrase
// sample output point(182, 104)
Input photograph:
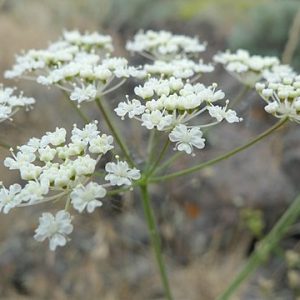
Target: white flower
point(132, 108)
point(221, 113)
point(144, 91)
point(55, 138)
point(86, 196)
point(282, 93)
point(246, 68)
point(47, 153)
point(278, 73)
point(120, 173)
point(94, 39)
point(19, 160)
point(272, 107)
point(179, 68)
point(72, 149)
point(163, 44)
point(10, 103)
point(63, 176)
point(156, 119)
point(101, 144)
point(102, 73)
point(84, 165)
point(8, 198)
point(187, 138)
point(30, 171)
point(84, 94)
point(55, 228)
point(33, 192)
point(87, 134)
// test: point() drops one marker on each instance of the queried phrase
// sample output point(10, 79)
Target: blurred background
point(211, 221)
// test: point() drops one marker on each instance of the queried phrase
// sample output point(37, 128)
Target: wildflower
point(282, 95)
point(84, 165)
point(120, 174)
point(19, 160)
point(101, 144)
point(187, 138)
point(33, 192)
point(175, 102)
point(54, 228)
point(87, 93)
point(132, 108)
point(8, 199)
point(221, 113)
point(85, 197)
point(85, 135)
point(10, 103)
point(60, 167)
point(89, 39)
point(156, 119)
point(246, 68)
point(74, 58)
point(178, 68)
point(278, 72)
point(47, 153)
point(55, 138)
point(164, 44)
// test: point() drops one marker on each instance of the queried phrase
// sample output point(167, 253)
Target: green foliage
point(266, 29)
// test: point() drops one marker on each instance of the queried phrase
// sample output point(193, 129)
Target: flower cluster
point(164, 45)
point(10, 103)
point(282, 93)
point(179, 68)
point(171, 55)
point(170, 105)
point(279, 73)
point(57, 170)
point(78, 64)
point(246, 68)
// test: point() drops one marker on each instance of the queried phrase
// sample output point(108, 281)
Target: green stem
point(221, 157)
point(150, 148)
point(155, 240)
point(264, 248)
point(168, 162)
point(81, 114)
point(114, 131)
point(161, 155)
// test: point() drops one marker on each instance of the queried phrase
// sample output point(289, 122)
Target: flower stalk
point(264, 248)
point(155, 240)
point(80, 113)
point(221, 157)
point(114, 131)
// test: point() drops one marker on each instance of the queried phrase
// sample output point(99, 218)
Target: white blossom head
point(86, 197)
point(79, 64)
point(120, 173)
point(54, 228)
point(11, 103)
point(171, 104)
point(89, 41)
point(246, 68)
point(282, 94)
point(54, 168)
point(178, 68)
point(164, 45)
